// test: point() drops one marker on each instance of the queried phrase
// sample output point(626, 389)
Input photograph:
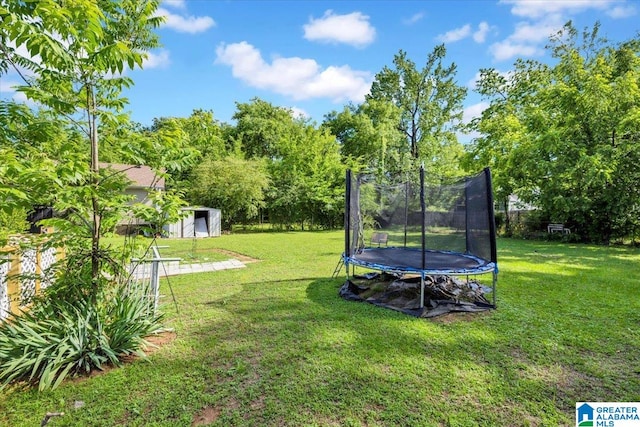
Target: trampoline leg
point(495, 280)
point(422, 290)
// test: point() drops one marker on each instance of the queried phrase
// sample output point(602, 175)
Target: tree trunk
point(507, 220)
point(95, 182)
point(414, 142)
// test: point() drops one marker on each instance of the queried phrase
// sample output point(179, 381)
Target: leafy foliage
point(76, 54)
point(564, 138)
point(235, 186)
point(82, 48)
point(71, 334)
point(303, 165)
point(370, 139)
point(429, 103)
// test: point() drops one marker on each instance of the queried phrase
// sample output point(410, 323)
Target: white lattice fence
point(48, 257)
point(5, 305)
point(28, 272)
point(22, 275)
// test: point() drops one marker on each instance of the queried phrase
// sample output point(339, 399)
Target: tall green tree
point(369, 138)
point(76, 53)
point(259, 127)
point(502, 128)
point(576, 133)
point(429, 103)
point(303, 163)
point(234, 185)
point(308, 180)
point(183, 142)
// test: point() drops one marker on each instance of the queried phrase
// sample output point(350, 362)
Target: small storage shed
point(197, 222)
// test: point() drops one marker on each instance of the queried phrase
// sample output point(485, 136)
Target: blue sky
point(316, 56)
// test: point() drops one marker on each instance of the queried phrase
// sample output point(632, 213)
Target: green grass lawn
point(188, 250)
point(274, 345)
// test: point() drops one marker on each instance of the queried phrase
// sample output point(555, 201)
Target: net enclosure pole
point(406, 210)
point(424, 229)
point(423, 221)
point(467, 234)
point(492, 230)
point(347, 220)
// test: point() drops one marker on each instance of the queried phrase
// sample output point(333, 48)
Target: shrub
point(130, 319)
point(58, 337)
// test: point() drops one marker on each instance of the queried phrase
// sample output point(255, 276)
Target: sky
point(316, 56)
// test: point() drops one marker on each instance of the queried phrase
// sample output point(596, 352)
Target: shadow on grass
point(287, 351)
point(292, 352)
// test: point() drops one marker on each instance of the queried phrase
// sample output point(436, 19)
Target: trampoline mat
point(404, 259)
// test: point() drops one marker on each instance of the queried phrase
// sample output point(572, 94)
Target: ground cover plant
point(273, 344)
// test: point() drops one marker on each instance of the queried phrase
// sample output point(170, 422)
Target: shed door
point(188, 226)
point(214, 222)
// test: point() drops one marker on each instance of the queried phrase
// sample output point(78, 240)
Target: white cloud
point(414, 18)
point(545, 18)
point(157, 60)
point(21, 98)
point(468, 114)
point(455, 35)
point(299, 113)
point(471, 84)
point(527, 38)
point(539, 8)
point(8, 85)
point(507, 49)
point(8, 90)
point(295, 77)
point(186, 24)
point(352, 29)
point(473, 111)
point(622, 11)
point(481, 34)
point(176, 4)
point(537, 32)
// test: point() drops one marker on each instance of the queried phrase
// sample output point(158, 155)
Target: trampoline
point(428, 229)
point(406, 260)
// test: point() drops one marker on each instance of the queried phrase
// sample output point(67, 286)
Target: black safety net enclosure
point(422, 244)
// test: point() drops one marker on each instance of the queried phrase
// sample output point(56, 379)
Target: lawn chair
point(379, 238)
point(558, 228)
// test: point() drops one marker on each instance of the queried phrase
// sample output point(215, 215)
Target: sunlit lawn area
point(274, 345)
point(188, 250)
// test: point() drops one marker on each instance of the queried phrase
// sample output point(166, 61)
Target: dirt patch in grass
point(257, 404)
point(156, 342)
point(240, 257)
point(458, 317)
point(159, 340)
point(206, 416)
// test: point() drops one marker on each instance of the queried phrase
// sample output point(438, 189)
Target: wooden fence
point(23, 273)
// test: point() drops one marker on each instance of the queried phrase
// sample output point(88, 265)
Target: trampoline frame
point(484, 266)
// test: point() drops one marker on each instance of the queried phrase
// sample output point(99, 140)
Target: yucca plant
point(58, 338)
point(46, 350)
point(130, 318)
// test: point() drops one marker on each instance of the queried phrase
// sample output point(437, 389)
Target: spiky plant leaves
point(58, 338)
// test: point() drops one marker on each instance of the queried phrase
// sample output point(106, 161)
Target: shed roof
point(141, 176)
